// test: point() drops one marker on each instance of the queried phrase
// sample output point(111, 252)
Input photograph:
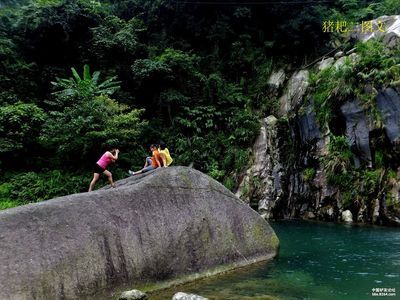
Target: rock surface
point(263, 179)
point(184, 296)
point(325, 63)
point(309, 215)
point(340, 62)
point(357, 130)
point(339, 54)
point(162, 225)
point(386, 28)
point(308, 126)
point(296, 88)
point(277, 78)
point(388, 102)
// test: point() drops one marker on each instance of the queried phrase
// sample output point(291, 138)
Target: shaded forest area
point(77, 77)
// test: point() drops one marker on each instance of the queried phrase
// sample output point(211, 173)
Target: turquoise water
point(316, 261)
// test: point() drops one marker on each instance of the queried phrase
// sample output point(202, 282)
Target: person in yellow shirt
point(164, 153)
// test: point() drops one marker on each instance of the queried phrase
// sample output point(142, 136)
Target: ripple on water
point(391, 275)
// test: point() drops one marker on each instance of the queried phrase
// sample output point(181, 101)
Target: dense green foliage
point(193, 75)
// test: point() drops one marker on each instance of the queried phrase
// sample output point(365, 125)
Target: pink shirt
point(104, 161)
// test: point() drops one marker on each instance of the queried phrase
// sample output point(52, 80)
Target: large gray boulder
point(167, 224)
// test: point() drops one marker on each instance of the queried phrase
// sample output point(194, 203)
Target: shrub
point(339, 158)
point(34, 187)
point(230, 183)
point(330, 88)
point(308, 174)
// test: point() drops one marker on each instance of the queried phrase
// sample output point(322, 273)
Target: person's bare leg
point(132, 173)
point(110, 179)
point(93, 182)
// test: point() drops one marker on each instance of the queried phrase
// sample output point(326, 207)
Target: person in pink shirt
point(101, 167)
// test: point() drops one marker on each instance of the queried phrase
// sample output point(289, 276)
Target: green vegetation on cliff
point(373, 69)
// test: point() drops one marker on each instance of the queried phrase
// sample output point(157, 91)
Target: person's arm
point(164, 159)
point(113, 157)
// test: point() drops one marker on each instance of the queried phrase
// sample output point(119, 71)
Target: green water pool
point(316, 261)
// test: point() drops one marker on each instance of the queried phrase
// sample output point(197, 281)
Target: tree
point(20, 123)
point(88, 118)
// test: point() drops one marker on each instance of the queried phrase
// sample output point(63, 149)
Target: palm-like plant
point(85, 87)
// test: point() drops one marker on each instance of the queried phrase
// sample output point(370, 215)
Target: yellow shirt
point(168, 158)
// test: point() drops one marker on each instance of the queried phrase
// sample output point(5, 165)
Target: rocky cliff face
point(331, 149)
point(163, 225)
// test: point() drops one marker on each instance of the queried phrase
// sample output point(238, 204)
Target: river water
point(316, 261)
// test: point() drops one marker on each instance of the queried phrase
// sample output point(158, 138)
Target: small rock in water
point(184, 296)
point(347, 216)
point(133, 295)
point(309, 215)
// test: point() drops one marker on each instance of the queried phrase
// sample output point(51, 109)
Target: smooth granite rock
point(162, 225)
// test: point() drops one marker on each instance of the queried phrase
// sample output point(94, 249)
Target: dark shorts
point(97, 169)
